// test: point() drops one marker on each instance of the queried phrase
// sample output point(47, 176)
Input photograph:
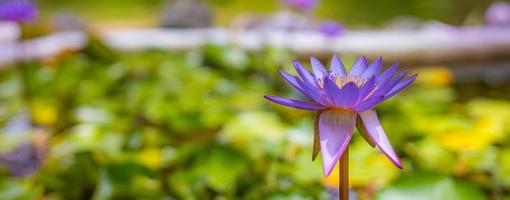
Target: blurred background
point(157, 99)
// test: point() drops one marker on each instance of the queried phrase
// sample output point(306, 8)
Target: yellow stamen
point(342, 81)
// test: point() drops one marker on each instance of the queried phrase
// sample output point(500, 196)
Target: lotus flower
point(343, 99)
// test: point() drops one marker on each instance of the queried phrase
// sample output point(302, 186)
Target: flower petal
point(349, 95)
point(386, 87)
point(363, 132)
point(316, 145)
point(318, 69)
point(373, 69)
point(375, 130)
point(359, 66)
point(369, 103)
point(292, 80)
point(367, 89)
point(400, 86)
point(313, 93)
point(335, 134)
point(305, 74)
point(386, 75)
point(332, 91)
point(300, 86)
point(337, 67)
point(294, 103)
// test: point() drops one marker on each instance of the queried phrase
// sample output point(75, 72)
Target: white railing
point(434, 42)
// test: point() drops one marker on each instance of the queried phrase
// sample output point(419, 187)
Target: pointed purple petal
point(386, 75)
point(400, 86)
point(369, 103)
point(297, 83)
point(313, 93)
point(359, 66)
point(292, 80)
point(401, 75)
point(332, 91)
point(367, 88)
point(373, 69)
point(337, 67)
point(376, 132)
point(294, 103)
point(386, 87)
point(349, 95)
point(305, 74)
point(335, 134)
point(318, 69)
point(390, 84)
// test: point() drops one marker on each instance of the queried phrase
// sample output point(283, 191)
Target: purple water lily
point(18, 10)
point(341, 98)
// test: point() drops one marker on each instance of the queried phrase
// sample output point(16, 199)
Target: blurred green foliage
point(156, 124)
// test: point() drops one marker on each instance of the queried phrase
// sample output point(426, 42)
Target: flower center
point(342, 81)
